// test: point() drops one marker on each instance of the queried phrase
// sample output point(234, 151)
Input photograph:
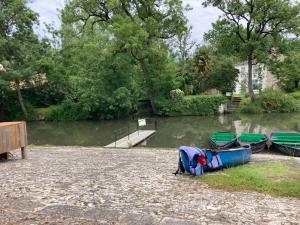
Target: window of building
point(243, 69)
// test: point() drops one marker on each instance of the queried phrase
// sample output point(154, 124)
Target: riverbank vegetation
point(278, 178)
point(113, 60)
point(193, 105)
point(270, 101)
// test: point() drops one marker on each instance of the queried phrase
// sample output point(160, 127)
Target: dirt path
point(64, 185)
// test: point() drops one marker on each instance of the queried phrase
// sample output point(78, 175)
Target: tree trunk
point(20, 98)
point(250, 86)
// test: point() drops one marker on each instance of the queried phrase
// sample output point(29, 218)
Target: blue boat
point(196, 161)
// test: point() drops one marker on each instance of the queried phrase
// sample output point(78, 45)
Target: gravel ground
point(73, 185)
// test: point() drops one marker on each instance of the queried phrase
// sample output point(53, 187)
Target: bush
point(67, 111)
point(269, 101)
point(177, 95)
point(202, 104)
point(249, 107)
point(276, 101)
point(119, 105)
point(198, 105)
point(295, 95)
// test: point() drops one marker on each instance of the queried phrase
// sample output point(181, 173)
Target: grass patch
point(277, 178)
point(295, 95)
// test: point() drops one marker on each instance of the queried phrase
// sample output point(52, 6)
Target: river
point(171, 131)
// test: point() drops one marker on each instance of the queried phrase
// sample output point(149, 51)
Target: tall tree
point(136, 27)
point(182, 47)
point(202, 63)
point(255, 26)
point(17, 43)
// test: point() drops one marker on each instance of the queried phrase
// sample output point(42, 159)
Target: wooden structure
point(13, 135)
point(132, 139)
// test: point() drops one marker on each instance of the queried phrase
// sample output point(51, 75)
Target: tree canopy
point(251, 28)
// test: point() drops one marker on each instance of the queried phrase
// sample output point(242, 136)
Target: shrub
point(270, 101)
point(120, 104)
point(67, 111)
point(177, 95)
point(296, 95)
point(202, 104)
point(249, 107)
point(198, 105)
point(165, 106)
point(276, 101)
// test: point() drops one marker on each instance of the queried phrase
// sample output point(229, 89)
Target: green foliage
point(288, 71)
point(202, 105)
point(276, 101)
point(279, 178)
point(270, 101)
point(198, 105)
point(119, 105)
point(251, 29)
point(50, 93)
point(134, 30)
point(177, 95)
point(213, 71)
point(24, 56)
point(67, 111)
point(202, 63)
point(10, 108)
point(223, 75)
point(296, 95)
point(247, 106)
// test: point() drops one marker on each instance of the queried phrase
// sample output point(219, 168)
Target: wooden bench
point(13, 135)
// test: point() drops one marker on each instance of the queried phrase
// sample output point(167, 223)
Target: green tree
point(254, 26)
point(137, 28)
point(182, 47)
point(17, 44)
point(223, 75)
point(288, 71)
point(202, 63)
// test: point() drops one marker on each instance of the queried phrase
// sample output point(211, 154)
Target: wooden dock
point(131, 140)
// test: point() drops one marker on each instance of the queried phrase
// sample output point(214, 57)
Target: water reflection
point(171, 132)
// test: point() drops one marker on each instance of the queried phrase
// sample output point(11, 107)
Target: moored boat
point(286, 142)
point(196, 161)
point(223, 139)
point(258, 142)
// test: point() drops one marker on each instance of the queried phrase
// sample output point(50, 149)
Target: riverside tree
point(251, 28)
point(18, 44)
point(138, 29)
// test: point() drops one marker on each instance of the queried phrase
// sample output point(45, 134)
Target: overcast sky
point(200, 18)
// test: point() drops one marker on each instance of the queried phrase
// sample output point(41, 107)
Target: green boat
point(257, 142)
point(223, 139)
point(286, 142)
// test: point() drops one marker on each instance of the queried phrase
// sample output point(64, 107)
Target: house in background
point(262, 78)
point(2, 69)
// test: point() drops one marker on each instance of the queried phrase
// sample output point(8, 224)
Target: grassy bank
point(278, 178)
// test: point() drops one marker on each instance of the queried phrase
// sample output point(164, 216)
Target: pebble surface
point(75, 185)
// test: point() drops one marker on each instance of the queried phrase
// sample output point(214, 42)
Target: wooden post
point(24, 153)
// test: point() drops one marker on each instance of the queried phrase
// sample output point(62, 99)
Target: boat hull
point(288, 139)
point(255, 147)
point(287, 150)
point(227, 145)
point(229, 157)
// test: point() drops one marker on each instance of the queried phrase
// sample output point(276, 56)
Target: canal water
point(171, 131)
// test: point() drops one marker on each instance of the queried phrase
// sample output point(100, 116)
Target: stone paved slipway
point(73, 185)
